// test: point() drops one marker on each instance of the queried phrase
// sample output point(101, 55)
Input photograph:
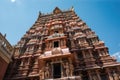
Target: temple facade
point(6, 52)
point(60, 46)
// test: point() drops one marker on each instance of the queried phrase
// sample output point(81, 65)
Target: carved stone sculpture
point(80, 76)
point(47, 71)
point(115, 76)
point(95, 77)
point(67, 69)
point(41, 73)
point(71, 69)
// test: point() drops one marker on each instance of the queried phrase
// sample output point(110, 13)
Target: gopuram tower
point(60, 46)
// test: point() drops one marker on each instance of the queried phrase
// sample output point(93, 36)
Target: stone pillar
point(118, 69)
point(22, 62)
point(99, 52)
point(106, 52)
point(115, 75)
point(89, 73)
point(50, 44)
point(39, 46)
point(52, 68)
point(109, 74)
point(64, 42)
point(62, 73)
point(47, 45)
point(80, 76)
point(76, 59)
point(72, 43)
point(90, 53)
point(47, 73)
point(91, 58)
point(42, 68)
point(61, 43)
point(29, 59)
point(83, 54)
point(41, 74)
point(98, 75)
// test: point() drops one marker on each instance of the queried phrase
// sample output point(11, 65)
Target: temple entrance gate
point(57, 70)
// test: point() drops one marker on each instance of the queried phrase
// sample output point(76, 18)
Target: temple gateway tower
point(60, 46)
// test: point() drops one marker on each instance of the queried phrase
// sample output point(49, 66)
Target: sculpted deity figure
point(115, 75)
point(47, 71)
point(62, 74)
point(41, 73)
point(95, 77)
point(71, 69)
point(67, 69)
point(80, 76)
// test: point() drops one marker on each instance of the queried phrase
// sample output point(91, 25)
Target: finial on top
point(40, 13)
point(72, 8)
point(56, 10)
point(5, 35)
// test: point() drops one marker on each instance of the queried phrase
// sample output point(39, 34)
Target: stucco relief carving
point(115, 76)
point(71, 69)
point(66, 66)
point(95, 77)
point(47, 73)
point(56, 51)
point(41, 73)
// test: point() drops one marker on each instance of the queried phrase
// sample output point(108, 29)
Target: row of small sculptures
point(113, 76)
point(67, 70)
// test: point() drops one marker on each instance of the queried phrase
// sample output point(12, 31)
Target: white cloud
point(17, 2)
point(117, 55)
point(13, 1)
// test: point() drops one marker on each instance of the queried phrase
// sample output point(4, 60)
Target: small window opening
point(56, 44)
point(56, 31)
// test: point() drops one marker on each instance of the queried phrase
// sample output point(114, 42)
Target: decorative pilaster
point(98, 75)
point(90, 53)
point(99, 53)
point(64, 43)
point(83, 54)
point(109, 74)
point(72, 43)
point(89, 73)
point(118, 69)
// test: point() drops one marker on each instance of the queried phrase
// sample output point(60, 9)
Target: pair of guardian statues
point(67, 70)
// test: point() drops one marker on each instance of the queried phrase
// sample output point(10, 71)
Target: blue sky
point(103, 16)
